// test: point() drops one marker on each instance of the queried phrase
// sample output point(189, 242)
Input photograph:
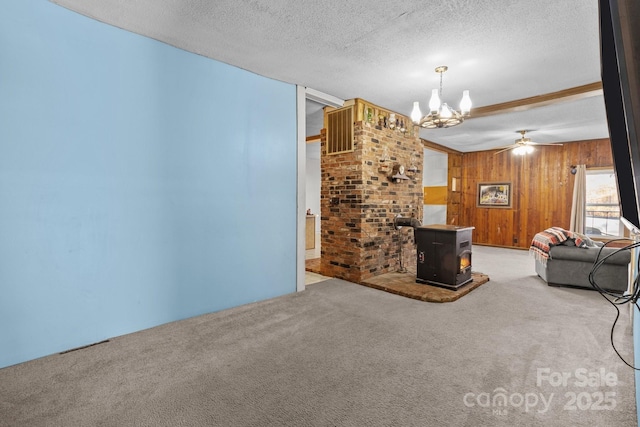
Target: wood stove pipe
point(400, 221)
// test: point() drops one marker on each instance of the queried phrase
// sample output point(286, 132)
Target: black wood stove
point(444, 255)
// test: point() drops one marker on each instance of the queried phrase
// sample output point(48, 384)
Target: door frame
point(302, 94)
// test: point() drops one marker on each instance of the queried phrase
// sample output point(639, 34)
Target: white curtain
point(578, 205)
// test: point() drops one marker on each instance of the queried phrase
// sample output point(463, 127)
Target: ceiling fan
point(522, 145)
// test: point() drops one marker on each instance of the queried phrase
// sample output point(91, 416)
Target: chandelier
point(440, 114)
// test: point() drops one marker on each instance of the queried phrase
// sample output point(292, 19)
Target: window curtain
point(578, 205)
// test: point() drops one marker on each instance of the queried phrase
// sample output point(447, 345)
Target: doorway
point(310, 108)
point(434, 183)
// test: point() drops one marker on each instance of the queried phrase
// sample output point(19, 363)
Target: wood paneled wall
point(454, 179)
point(542, 188)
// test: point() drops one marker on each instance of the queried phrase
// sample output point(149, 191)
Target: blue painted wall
point(139, 183)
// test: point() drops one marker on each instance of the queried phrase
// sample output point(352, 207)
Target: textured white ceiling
point(386, 52)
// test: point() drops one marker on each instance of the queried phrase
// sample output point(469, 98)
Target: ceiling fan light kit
point(441, 115)
point(522, 150)
point(522, 145)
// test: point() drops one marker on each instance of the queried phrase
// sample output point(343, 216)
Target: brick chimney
point(360, 199)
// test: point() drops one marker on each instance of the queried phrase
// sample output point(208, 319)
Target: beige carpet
point(341, 354)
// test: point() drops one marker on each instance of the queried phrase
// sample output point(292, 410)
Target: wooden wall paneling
point(542, 189)
point(522, 190)
point(588, 154)
point(532, 184)
point(454, 199)
point(552, 194)
point(519, 200)
point(494, 225)
point(604, 155)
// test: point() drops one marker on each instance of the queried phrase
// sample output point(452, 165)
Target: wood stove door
point(436, 257)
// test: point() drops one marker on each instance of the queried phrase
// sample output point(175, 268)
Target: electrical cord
point(613, 298)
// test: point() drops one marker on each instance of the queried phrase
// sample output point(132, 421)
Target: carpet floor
point(512, 352)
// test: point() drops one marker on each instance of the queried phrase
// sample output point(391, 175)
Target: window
point(602, 216)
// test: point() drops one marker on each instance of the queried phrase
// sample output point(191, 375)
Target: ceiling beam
point(524, 104)
point(437, 147)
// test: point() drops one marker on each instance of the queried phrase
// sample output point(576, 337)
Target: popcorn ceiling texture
point(386, 52)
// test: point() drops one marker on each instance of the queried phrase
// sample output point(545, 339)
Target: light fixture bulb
point(529, 149)
point(465, 103)
point(416, 114)
point(434, 102)
point(445, 111)
point(519, 150)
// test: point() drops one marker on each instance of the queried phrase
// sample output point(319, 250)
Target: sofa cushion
point(590, 254)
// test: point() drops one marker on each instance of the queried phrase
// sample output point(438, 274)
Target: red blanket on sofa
point(543, 241)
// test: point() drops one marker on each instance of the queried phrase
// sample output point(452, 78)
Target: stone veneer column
point(359, 202)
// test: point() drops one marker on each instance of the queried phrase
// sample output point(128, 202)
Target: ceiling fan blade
point(509, 147)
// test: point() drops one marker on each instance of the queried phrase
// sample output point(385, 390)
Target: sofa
point(568, 265)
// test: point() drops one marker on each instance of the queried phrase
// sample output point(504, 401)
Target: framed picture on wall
point(494, 195)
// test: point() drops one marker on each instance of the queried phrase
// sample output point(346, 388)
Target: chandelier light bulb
point(416, 114)
point(445, 111)
point(465, 103)
point(529, 149)
point(434, 102)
